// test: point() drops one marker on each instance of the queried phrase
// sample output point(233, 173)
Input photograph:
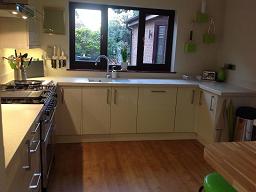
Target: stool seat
point(214, 182)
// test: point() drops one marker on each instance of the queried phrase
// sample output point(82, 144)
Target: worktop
point(17, 120)
point(221, 89)
point(236, 162)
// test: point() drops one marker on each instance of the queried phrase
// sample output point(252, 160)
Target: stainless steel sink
point(100, 80)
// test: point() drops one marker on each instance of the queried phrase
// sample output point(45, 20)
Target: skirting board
point(125, 137)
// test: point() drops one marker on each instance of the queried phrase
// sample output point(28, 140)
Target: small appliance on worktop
point(37, 92)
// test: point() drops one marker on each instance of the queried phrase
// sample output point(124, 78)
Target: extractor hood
point(15, 10)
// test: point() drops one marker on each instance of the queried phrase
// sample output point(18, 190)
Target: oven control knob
point(47, 112)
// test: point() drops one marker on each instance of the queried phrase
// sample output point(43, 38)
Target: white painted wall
point(204, 59)
point(239, 43)
point(2, 165)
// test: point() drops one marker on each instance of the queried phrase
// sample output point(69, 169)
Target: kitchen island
point(236, 162)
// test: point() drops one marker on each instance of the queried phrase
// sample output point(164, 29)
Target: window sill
point(129, 71)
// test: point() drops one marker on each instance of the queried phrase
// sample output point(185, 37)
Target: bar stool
point(214, 182)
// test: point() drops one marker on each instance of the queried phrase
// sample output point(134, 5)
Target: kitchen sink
point(105, 80)
point(100, 80)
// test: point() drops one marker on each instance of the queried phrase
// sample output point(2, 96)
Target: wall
point(2, 164)
point(239, 45)
point(6, 72)
point(205, 58)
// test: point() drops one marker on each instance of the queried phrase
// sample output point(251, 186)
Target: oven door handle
point(52, 116)
point(48, 132)
point(37, 144)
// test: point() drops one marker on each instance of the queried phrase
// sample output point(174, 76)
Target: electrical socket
point(230, 66)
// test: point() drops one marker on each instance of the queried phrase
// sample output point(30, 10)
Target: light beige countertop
point(221, 89)
point(17, 120)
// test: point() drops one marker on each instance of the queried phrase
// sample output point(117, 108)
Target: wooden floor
point(144, 166)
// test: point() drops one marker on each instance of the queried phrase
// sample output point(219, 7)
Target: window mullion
point(140, 46)
point(104, 33)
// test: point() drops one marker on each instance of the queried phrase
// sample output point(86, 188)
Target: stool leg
point(201, 189)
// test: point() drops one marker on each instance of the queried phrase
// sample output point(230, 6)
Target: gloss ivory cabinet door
point(156, 109)
point(185, 110)
point(206, 117)
point(96, 110)
point(69, 111)
point(124, 109)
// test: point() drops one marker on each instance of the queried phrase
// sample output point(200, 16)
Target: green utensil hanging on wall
point(190, 46)
point(209, 36)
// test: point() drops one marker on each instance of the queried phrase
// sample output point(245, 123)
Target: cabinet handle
point(115, 95)
point(28, 163)
point(200, 98)
point(211, 105)
point(62, 95)
point(36, 145)
point(163, 91)
point(35, 181)
point(36, 129)
point(107, 96)
point(193, 97)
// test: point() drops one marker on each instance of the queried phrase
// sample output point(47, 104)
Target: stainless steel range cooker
point(37, 92)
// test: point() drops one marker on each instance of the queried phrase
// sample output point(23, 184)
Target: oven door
point(48, 151)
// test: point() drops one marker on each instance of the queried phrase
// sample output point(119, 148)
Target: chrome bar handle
point(193, 97)
point(115, 95)
point(36, 129)
point(200, 97)
point(211, 105)
point(36, 144)
point(35, 181)
point(28, 163)
point(62, 95)
point(108, 96)
point(163, 91)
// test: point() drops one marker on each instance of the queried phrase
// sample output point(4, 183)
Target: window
point(105, 30)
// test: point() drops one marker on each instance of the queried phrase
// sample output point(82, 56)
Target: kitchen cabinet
point(23, 174)
point(15, 1)
point(156, 110)
point(96, 110)
point(109, 110)
point(185, 110)
point(18, 33)
point(206, 119)
point(124, 110)
point(69, 111)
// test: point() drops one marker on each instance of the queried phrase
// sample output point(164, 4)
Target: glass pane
point(155, 38)
point(87, 34)
point(122, 33)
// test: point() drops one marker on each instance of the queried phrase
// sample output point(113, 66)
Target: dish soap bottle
point(221, 75)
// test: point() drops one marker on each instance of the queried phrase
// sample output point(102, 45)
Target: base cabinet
point(156, 110)
point(69, 111)
point(23, 174)
point(185, 110)
point(206, 120)
point(124, 110)
point(96, 110)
